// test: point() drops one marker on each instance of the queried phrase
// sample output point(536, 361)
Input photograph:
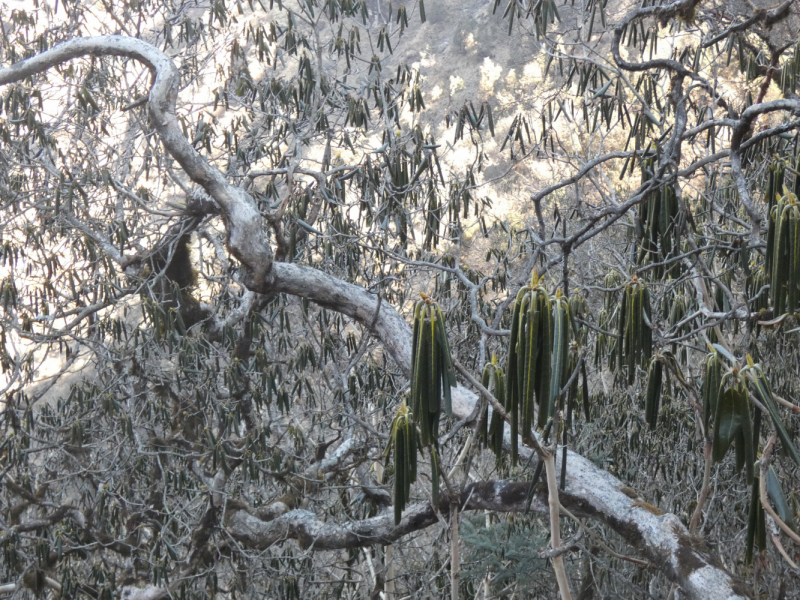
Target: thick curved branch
point(247, 239)
point(311, 533)
point(768, 17)
point(589, 491)
point(662, 14)
point(740, 131)
point(351, 300)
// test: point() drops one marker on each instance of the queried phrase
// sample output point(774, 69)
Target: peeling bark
point(314, 534)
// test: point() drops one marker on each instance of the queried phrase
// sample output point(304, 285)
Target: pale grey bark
point(314, 534)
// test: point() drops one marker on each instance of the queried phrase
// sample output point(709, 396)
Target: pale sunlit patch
point(531, 73)
point(490, 73)
point(456, 84)
point(469, 41)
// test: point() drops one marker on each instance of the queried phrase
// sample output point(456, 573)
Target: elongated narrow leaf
point(653, 393)
point(745, 439)
point(512, 387)
point(646, 344)
point(756, 526)
point(441, 339)
point(417, 376)
point(411, 433)
point(764, 394)
point(399, 475)
point(727, 423)
point(711, 383)
point(621, 340)
point(434, 368)
point(435, 477)
point(560, 348)
point(496, 429)
point(637, 322)
point(794, 255)
point(780, 264)
point(544, 367)
point(587, 412)
point(425, 393)
point(530, 336)
point(487, 379)
point(523, 359)
point(722, 350)
point(775, 494)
